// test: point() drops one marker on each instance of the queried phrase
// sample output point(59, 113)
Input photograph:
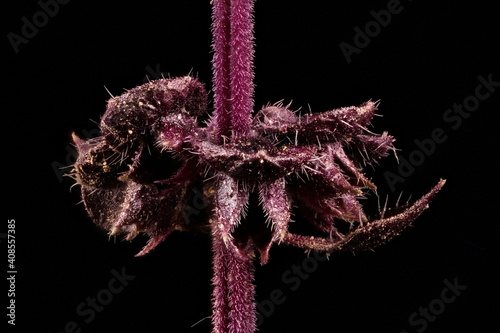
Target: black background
point(428, 58)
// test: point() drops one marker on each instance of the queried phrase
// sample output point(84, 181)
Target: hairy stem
point(233, 295)
point(241, 57)
point(221, 66)
point(233, 66)
point(220, 301)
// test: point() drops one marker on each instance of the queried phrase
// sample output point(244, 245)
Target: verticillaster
point(154, 156)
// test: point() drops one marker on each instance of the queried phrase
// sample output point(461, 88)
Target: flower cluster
point(142, 174)
point(155, 156)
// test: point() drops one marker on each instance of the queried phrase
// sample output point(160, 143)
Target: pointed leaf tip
point(373, 234)
point(381, 231)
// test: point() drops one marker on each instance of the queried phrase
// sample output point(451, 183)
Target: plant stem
point(220, 301)
point(233, 47)
point(233, 306)
point(232, 27)
point(221, 66)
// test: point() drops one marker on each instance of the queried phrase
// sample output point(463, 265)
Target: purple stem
point(233, 66)
point(221, 66)
point(220, 301)
point(234, 292)
point(242, 87)
point(233, 295)
point(241, 293)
